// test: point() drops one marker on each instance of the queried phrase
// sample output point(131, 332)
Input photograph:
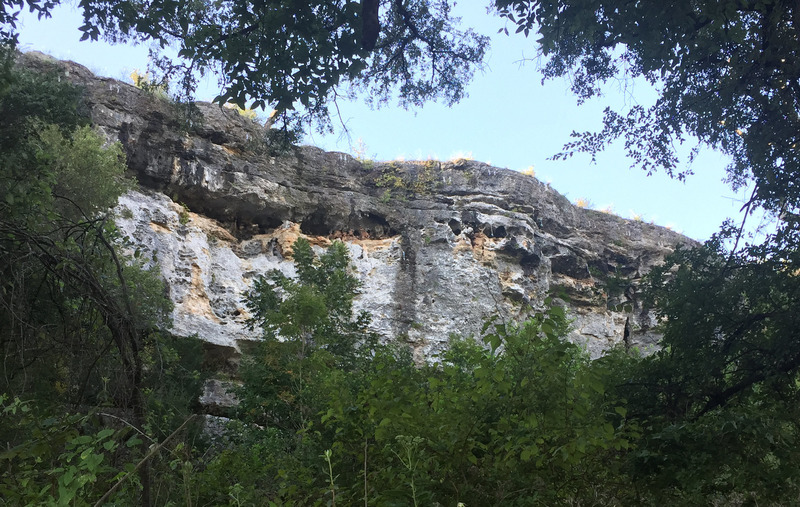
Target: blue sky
point(509, 120)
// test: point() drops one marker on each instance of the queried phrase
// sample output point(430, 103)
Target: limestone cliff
point(439, 246)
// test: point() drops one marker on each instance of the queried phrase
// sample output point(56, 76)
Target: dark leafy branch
point(288, 54)
point(726, 73)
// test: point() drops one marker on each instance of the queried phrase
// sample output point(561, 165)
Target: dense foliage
point(81, 324)
point(525, 421)
point(95, 395)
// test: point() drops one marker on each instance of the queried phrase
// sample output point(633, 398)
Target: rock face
point(218, 397)
point(439, 246)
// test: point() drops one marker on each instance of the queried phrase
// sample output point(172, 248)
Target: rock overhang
point(439, 246)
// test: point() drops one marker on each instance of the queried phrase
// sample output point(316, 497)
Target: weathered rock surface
point(439, 246)
point(218, 398)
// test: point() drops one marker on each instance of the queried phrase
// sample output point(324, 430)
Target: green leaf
point(105, 433)
point(133, 441)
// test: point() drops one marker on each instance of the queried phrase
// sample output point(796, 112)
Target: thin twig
point(746, 208)
point(365, 473)
point(126, 423)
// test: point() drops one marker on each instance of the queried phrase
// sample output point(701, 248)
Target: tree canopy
point(290, 53)
point(727, 73)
